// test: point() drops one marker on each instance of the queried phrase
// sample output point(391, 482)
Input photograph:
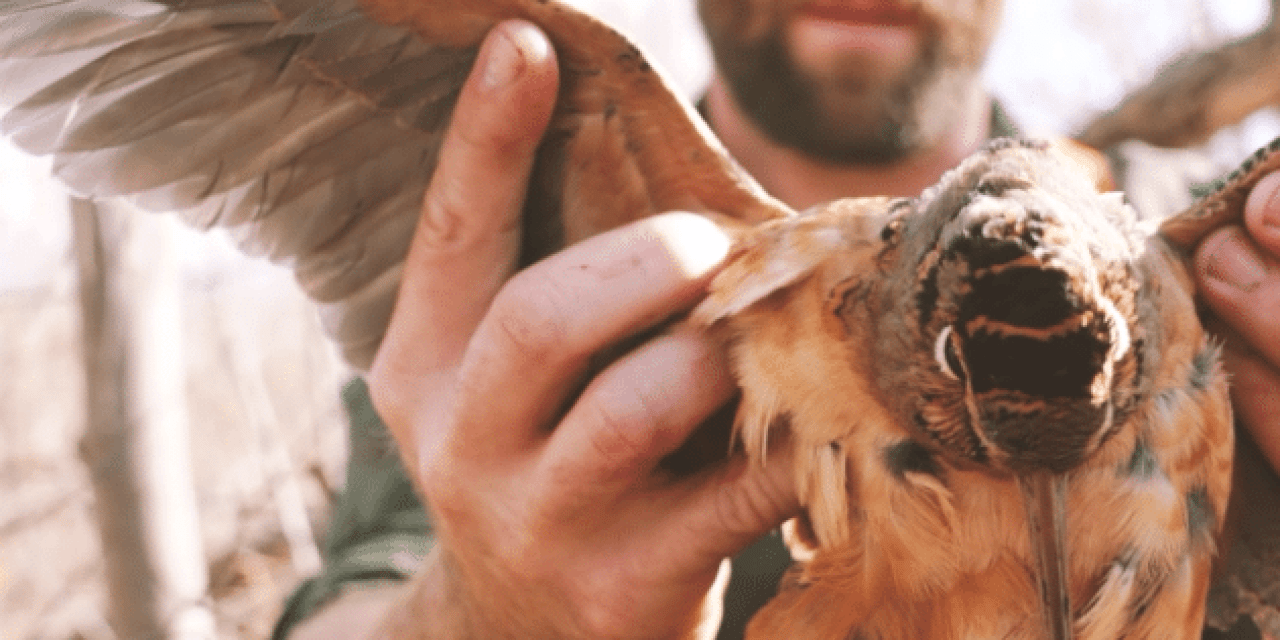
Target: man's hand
point(543, 478)
point(1238, 273)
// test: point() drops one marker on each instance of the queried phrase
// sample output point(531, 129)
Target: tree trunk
point(136, 442)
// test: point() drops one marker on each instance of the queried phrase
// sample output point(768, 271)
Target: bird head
point(1009, 305)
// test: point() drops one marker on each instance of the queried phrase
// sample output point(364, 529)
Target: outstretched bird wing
point(310, 128)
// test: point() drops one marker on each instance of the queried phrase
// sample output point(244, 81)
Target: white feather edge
point(768, 261)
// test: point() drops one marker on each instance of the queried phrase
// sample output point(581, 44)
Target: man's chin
point(851, 122)
point(854, 151)
point(851, 127)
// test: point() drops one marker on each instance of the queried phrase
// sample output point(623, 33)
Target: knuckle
point(445, 488)
point(528, 316)
point(625, 427)
point(746, 508)
point(458, 218)
point(443, 224)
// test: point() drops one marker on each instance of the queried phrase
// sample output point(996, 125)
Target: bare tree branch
point(1198, 94)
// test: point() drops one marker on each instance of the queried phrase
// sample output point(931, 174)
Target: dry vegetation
point(50, 565)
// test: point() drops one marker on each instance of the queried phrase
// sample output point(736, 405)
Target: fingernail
point(510, 52)
point(1231, 259)
point(1266, 200)
point(504, 62)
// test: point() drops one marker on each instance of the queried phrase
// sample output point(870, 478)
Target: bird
point(997, 388)
point(882, 336)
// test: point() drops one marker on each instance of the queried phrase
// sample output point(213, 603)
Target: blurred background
point(261, 384)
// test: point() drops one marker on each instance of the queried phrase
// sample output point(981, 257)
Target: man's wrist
point(430, 607)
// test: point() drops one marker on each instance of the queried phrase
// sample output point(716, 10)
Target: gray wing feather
point(310, 131)
point(306, 129)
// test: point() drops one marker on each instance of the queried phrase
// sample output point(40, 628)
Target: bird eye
point(944, 351)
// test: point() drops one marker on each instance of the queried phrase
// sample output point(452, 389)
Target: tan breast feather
point(1010, 423)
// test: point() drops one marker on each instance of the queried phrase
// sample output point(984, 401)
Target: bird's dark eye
point(944, 351)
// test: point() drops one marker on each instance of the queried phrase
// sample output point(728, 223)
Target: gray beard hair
point(852, 125)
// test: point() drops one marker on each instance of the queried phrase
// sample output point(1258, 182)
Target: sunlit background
point(1055, 64)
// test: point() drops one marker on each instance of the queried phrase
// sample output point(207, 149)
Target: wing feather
point(1246, 582)
point(1225, 205)
point(310, 128)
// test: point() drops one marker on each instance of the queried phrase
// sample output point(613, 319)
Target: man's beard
point(859, 122)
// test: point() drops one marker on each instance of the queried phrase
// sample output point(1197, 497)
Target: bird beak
point(1044, 498)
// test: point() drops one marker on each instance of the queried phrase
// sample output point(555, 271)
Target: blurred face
point(851, 81)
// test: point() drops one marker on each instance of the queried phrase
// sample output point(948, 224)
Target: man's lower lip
point(823, 37)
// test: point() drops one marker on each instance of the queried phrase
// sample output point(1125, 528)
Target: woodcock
point(999, 388)
point(1009, 421)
